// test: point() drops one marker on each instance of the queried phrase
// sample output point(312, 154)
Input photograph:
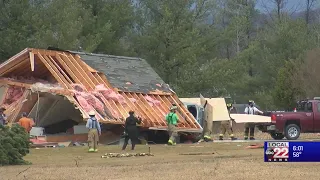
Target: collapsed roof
point(110, 85)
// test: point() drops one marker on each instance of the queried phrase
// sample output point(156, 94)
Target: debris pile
point(29, 80)
point(45, 87)
point(119, 155)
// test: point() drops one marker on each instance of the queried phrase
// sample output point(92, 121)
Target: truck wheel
point(292, 132)
point(277, 136)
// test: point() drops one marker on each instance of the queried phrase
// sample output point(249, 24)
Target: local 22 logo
point(277, 153)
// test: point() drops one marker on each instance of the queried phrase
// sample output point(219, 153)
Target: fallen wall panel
point(245, 118)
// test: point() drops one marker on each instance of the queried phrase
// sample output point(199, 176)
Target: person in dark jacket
point(131, 130)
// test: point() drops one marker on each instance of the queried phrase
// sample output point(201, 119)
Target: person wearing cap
point(225, 126)
point(3, 118)
point(26, 122)
point(172, 121)
point(131, 130)
point(94, 132)
point(249, 127)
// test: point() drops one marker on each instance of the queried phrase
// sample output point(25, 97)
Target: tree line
point(213, 47)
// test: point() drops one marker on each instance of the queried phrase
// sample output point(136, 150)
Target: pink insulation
point(84, 104)
point(88, 101)
point(113, 113)
point(110, 94)
point(93, 100)
point(152, 101)
point(13, 94)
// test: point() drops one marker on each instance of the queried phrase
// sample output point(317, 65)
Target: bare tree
point(307, 76)
point(280, 4)
point(309, 6)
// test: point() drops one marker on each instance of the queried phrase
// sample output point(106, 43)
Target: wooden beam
point(4, 94)
point(77, 72)
point(31, 55)
point(88, 75)
point(61, 70)
point(44, 52)
point(146, 108)
point(67, 68)
point(138, 111)
point(23, 70)
point(13, 60)
point(104, 78)
point(73, 64)
point(53, 72)
point(162, 107)
point(81, 70)
point(158, 118)
point(100, 81)
point(56, 70)
point(85, 67)
point(141, 107)
point(11, 67)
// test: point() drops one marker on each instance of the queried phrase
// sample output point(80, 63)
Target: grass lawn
point(230, 161)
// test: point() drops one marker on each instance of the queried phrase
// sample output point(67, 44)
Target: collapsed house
point(55, 86)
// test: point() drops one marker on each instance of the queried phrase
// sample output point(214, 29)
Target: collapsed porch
point(65, 74)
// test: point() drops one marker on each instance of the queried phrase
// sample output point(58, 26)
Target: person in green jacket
point(172, 121)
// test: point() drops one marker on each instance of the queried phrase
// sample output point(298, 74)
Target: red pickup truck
point(306, 119)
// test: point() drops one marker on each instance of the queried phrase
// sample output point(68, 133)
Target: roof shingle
point(120, 70)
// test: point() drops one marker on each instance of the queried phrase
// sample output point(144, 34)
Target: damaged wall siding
point(67, 70)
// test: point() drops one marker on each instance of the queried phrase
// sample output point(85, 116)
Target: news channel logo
point(277, 151)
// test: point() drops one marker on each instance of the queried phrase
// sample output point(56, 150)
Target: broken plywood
point(216, 109)
point(195, 101)
point(246, 118)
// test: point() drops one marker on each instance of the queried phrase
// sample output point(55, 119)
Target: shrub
point(14, 145)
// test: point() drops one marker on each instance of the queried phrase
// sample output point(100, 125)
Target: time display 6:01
point(297, 148)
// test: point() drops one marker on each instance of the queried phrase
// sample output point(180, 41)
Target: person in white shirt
point(249, 127)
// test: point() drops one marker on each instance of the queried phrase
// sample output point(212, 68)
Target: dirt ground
point(230, 161)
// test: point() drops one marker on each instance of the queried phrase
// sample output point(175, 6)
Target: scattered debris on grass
point(119, 155)
point(198, 153)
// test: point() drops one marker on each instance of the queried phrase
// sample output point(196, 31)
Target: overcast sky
point(291, 5)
